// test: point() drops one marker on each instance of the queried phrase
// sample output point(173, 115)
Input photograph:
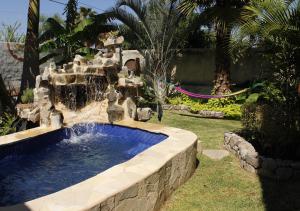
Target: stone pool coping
point(142, 183)
point(252, 162)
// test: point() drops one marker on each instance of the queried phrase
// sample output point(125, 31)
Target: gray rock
point(46, 74)
point(144, 114)
point(56, 119)
point(252, 160)
point(34, 115)
point(115, 113)
point(211, 114)
point(112, 96)
point(249, 168)
point(167, 107)
point(227, 137)
point(38, 81)
point(243, 152)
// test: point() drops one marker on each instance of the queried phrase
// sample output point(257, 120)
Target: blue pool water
point(51, 162)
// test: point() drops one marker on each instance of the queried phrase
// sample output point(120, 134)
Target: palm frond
point(54, 29)
point(138, 6)
point(132, 22)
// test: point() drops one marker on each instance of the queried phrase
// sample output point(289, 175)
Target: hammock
point(203, 96)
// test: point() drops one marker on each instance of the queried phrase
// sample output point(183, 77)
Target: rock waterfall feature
point(99, 89)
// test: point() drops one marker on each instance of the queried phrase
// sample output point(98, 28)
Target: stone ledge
point(201, 113)
point(252, 162)
point(142, 183)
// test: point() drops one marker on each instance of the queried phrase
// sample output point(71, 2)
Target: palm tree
point(273, 25)
point(273, 21)
point(223, 14)
point(31, 51)
point(66, 41)
point(154, 24)
point(80, 31)
point(71, 13)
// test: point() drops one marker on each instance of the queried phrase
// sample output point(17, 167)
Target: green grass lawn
point(223, 185)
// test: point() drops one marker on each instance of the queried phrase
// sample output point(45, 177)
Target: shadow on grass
point(280, 195)
point(197, 163)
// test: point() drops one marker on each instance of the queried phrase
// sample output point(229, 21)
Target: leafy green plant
point(231, 111)
point(77, 36)
point(6, 124)
point(271, 120)
point(228, 106)
point(9, 33)
point(27, 96)
point(265, 92)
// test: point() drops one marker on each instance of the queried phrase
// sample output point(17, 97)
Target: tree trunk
point(31, 51)
point(222, 58)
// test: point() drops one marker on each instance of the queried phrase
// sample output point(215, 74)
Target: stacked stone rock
point(44, 100)
point(202, 113)
point(251, 161)
point(71, 84)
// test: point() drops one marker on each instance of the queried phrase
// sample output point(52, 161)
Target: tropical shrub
point(27, 96)
point(228, 106)
point(6, 124)
point(267, 121)
point(154, 23)
point(271, 114)
point(76, 36)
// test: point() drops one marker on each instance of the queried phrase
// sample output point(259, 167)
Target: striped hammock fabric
point(203, 96)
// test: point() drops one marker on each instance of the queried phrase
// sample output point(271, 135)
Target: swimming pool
point(53, 161)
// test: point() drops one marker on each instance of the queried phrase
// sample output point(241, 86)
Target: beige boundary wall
point(142, 183)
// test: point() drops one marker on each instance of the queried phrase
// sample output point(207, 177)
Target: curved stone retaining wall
point(251, 161)
point(142, 183)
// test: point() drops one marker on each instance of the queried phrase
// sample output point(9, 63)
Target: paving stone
point(216, 154)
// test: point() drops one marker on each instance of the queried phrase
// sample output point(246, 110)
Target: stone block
point(108, 205)
point(227, 137)
point(249, 168)
point(130, 108)
point(46, 74)
point(166, 107)
point(144, 114)
point(243, 152)
point(253, 160)
point(122, 82)
point(38, 81)
point(56, 119)
point(34, 115)
point(115, 113)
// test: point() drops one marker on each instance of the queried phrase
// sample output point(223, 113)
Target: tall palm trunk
point(222, 58)
point(31, 51)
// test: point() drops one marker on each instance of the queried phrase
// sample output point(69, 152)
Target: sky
point(16, 10)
